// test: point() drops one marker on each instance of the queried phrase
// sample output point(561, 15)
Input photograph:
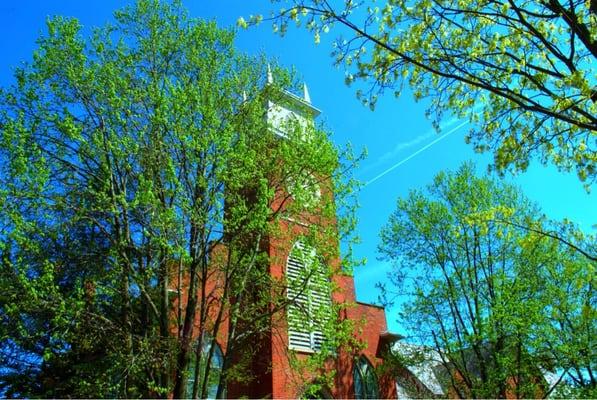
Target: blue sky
point(404, 151)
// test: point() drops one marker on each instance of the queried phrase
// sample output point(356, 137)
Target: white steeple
point(306, 94)
point(285, 109)
point(270, 77)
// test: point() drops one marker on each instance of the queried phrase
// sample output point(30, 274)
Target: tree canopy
point(138, 180)
point(521, 71)
point(496, 303)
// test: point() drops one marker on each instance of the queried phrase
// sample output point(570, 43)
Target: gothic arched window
point(365, 380)
point(217, 361)
point(310, 298)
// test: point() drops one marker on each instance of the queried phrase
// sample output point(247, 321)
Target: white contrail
point(384, 158)
point(399, 163)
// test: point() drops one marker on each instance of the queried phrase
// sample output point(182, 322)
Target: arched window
point(217, 360)
point(365, 381)
point(310, 299)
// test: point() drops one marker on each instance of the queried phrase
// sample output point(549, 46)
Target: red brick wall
point(370, 322)
point(271, 367)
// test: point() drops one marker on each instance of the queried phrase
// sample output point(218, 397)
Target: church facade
point(295, 332)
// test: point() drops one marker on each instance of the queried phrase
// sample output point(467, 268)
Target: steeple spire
point(270, 77)
point(306, 94)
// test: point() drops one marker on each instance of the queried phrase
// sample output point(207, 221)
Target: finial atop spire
point(270, 77)
point(306, 93)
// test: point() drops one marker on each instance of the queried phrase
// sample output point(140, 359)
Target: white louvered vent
point(309, 293)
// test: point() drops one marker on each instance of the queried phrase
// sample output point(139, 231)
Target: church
point(298, 333)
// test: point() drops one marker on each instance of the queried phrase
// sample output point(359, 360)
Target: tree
point(567, 337)
point(494, 302)
point(520, 71)
point(138, 181)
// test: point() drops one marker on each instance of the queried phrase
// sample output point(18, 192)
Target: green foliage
point(521, 71)
point(138, 184)
point(488, 289)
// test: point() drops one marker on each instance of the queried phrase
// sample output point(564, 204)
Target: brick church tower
point(298, 333)
point(354, 373)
